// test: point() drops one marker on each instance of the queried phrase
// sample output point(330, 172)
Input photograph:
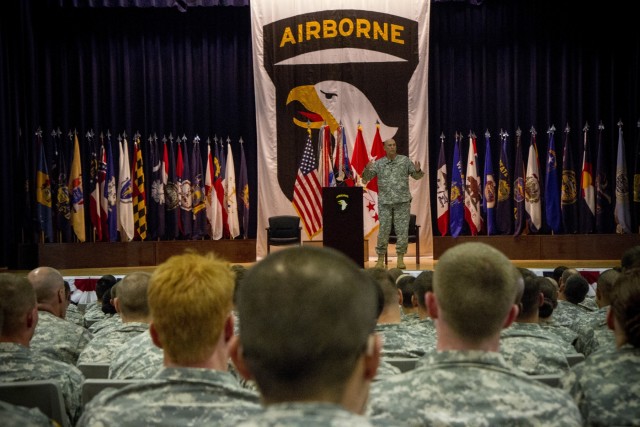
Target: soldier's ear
point(235, 352)
point(154, 335)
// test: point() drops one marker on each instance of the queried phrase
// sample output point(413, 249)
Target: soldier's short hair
point(17, 297)
point(475, 286)
point(46, 281)
point(190, 298)
point(605, 282)
point(576, 288)
point(531, 295)
point(625, 304)
point(306, 314)
point(132, 294)
point(422, 285)
point(388, 288)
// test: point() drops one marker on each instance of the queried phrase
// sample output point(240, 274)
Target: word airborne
point(346, 27)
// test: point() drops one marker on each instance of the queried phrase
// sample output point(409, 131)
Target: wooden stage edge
point(580, 250)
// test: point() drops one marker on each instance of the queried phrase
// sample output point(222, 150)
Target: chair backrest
point(574, 358)
point(93, 386)
point(94, 370)
point(550, 379)
point(403, 363)
point(283, 226)
point(42, 394)
point(413, 232)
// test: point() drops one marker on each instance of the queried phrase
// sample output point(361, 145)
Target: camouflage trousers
point(397, 214)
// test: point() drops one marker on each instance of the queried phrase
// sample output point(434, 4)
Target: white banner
point(329, 62)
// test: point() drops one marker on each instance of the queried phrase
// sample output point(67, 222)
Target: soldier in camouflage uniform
point(399, 338)
point(394, 198)
point(606, 386)
point(525, 345)
point(14, 415)
point(596, 334)
point(94, 312)
point(467, 382)
point(572, 292)
point(131, 303)
point(549, 292)
point(190, 301)
point(18, 362)
point(306, 337)
point(72, 314)
point(138, 358)
point(54, 336)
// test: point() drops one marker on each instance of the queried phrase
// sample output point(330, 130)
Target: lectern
point(343, 227)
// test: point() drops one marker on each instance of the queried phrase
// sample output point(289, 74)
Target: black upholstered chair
point(283, 230)
point(414, 237)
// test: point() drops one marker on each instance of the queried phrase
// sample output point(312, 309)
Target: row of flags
point(184, 198)
point(330, 164)
point(514, 200)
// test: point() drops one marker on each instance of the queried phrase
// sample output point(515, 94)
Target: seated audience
point(131, 303)
point(190, 301)
point(94, 312)
point(405, 284)
point(55, 337)
point(549, 292)
point(467, 382)
point(525, 345)
point(18, 362)
point(73, 313)
point(572, 292)
point(595, 334)
point(422, 285)
point(111, 319)
point(399, 339)
point(307, 337)
point(606, 386)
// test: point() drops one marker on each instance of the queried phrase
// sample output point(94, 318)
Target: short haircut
point(132, 294)
point(17, 297)
point(475, 286)
point(46, 281)
point(422, 285)
point(526, 272)
point(405, 284)
point(190, 298)
point(630, 258)
point(625, 304)
point(394, 273)
point(531, 295)
point(606, 279)
point(306, 314)
point(557, 272)
point(104, 284)
point(388, 288)
point(576, 288)
point(550, 293)
point(568, 272)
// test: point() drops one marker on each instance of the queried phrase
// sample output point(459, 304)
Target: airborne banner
point(332, 63)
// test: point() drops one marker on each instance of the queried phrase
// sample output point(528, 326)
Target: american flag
point(307, 197)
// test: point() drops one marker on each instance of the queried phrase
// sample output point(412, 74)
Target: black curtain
point(508, 64)
point(148, 70)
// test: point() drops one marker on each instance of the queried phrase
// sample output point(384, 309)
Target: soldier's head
point(474, 291)
point(190, 300)
point(576, 288)
point(131, 297)
point(549, 291)
point(606, 279)
point(49, 286)
point(624, 315)
point(307, 317)
point(18, 309)
point(422, 285)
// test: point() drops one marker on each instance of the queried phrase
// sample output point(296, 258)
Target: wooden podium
point(343, 227)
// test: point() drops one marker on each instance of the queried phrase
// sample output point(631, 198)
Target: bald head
point(47, 282)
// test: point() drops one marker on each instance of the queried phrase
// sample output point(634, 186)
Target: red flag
point(377, 152)
point(307, 196)
point(94, 187)
point(360, 157)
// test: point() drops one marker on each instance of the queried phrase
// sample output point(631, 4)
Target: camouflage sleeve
point(369, 173)
point(413, 172)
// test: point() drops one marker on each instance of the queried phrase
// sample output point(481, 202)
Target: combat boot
point(401, 264)
point(380, 262)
